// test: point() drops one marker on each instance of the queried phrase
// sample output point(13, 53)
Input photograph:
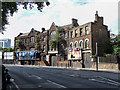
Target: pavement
point(91, 69)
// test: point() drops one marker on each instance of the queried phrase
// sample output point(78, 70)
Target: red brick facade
point(84, 36)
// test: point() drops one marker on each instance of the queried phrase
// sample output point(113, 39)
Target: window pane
point(86, 30)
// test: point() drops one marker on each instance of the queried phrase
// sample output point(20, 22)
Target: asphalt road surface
point(44, 77)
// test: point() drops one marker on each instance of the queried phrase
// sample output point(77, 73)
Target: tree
point(37, 47)
point(109, 46)
point(116, 46)
point(1, 48)
point(11, 7)
point(20, 44)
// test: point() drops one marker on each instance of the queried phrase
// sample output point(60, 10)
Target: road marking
point(12, 80)
point(56, 84)
point(111, 80)
point(104, 82)
point(37, 77)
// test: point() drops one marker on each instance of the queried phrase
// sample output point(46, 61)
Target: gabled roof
point(35, 31)
point(24, 34)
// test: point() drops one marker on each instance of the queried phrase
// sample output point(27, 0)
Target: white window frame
point(86, 30)
point(32, 39)
point(77, 44)
point(88, 43)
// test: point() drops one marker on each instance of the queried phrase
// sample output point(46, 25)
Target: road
point(44, 77)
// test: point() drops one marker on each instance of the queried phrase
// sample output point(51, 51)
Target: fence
point(8, 61)
point(107, 62)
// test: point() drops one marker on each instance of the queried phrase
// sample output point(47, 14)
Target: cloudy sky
point(61, 12)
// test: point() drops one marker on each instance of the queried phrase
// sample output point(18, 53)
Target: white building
point(5, 43)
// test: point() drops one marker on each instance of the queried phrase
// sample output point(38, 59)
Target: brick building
point(81, 41)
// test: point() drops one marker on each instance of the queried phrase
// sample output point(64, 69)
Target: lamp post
point(96, 56)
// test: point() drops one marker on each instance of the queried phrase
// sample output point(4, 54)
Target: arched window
point(52, 35)
point(71, 45)
point(81, 44)
point(87, 43)
point(76, 44)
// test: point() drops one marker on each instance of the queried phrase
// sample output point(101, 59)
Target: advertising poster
point(76, 53)
point(8, 55)
point(25, 55)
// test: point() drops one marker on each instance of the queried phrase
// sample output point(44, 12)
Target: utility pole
point(96, 56)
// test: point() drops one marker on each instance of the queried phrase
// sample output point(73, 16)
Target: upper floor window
point(65, 35)
point(44, 39)
point(71, 46)
point(81, 44)
point(52, 35)
point(86, 30)
point(25, 40)
point(71, 34)
point(76, 33)
point(76, 44)
point(87, 43)
point(40, 39)
point(80, 31)
point(44, 48)
point(22, 40)
point(32, 39)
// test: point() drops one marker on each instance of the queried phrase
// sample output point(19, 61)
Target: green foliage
point(6, 49)
point(36, 38)
point(11, 7)
point(59, 40)
point(53, 44)
point(37, 47)
point(60, 29)
point(10, 50)
point(1, 48)
point(113, 48)
point(109, 47)
point(20, 44)
point(116, 47)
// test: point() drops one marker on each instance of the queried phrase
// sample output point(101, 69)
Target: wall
point(103, 65)
point(108, 62)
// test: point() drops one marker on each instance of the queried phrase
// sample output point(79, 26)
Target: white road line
point(104, 82)
point(56, 84)
point(36, 76)
point(111, 80)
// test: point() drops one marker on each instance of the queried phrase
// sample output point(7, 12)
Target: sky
point(61, 12)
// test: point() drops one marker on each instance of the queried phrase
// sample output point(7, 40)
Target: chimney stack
point(74, 22)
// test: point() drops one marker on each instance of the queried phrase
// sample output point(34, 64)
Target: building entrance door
point(53, 60)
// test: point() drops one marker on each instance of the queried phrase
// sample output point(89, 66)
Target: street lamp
point(96, 56)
